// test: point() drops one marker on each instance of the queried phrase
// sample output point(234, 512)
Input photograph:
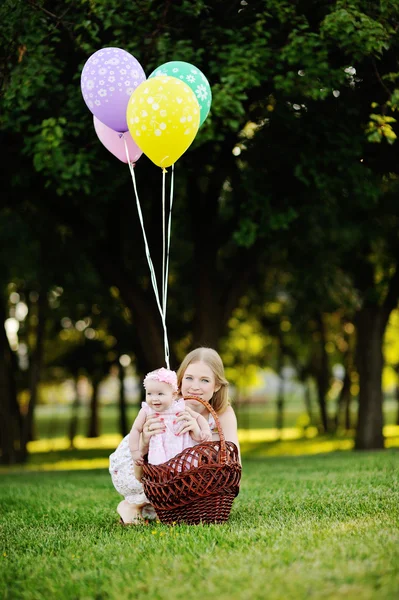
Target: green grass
point(306, 527)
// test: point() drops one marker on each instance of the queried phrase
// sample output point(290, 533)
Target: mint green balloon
point(194, 78)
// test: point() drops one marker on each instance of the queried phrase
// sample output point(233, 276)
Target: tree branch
point(57, 18)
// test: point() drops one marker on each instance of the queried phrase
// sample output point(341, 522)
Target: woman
point(201, 374)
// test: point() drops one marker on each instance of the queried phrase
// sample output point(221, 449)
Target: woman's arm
point(138, 472)
point(228, 423)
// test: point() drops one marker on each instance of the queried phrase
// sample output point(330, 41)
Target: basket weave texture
point(199, 484)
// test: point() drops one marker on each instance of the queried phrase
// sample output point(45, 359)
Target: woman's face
point(199, 380)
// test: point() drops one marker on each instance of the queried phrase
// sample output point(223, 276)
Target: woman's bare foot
point(129, 513)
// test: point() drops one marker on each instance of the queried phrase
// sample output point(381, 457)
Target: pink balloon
point(115, 142)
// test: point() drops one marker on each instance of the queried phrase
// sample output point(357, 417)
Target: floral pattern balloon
point(194, 78)
point(109, 77)
point(163, 119)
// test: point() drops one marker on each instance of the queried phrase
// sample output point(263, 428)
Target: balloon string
point(169, 230)
point(166, 245)
point(149, 260)
point(163, 242)
point(164, 274)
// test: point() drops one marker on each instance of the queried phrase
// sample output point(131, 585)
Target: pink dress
point(166, 445)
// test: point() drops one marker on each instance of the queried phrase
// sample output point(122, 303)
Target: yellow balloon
point(163, 117)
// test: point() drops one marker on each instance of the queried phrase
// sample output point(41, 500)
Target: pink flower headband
point(163, 375)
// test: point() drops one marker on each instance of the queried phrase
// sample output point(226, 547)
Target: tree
point(288, 80)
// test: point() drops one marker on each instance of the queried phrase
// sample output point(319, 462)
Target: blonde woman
point(201, 374)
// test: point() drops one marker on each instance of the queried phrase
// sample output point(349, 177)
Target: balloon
point(163, 119)
point(114, 142)
point(109, 77)
point(194, 78)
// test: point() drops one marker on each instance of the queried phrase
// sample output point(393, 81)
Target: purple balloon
point(109, 77)
point(115, 142)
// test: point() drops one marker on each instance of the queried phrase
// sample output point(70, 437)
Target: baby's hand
point(138, 458)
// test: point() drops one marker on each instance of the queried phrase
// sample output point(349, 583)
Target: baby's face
point(159, 395)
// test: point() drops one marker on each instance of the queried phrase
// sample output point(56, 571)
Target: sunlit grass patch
point(273, 434)
point(79, 442)
point(298, 447)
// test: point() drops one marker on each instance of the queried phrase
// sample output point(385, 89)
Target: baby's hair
point(220, 399)
point(164, 376)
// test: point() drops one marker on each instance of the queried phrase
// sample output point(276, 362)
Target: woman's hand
point(153, 425)
point(187, 423)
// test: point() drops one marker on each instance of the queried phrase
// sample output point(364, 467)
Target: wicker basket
point(199, 484)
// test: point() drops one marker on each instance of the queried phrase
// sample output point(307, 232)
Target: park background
point(284, 257)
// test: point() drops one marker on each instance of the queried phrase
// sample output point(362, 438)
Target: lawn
point(320, 526)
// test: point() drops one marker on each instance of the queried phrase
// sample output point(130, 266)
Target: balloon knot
point(164, 170)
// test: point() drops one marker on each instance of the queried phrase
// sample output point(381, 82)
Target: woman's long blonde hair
point(220, 399)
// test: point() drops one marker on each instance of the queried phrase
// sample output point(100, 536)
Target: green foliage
point(244, 349)
point(355, 32)
point(379, 126)
point(50, 146)
point(313, 77)
point(247, 233)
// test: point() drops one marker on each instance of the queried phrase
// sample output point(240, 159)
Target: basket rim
point(189, 473)
point(234, 449)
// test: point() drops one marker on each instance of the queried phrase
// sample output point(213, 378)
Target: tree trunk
point(207, 325)
point(123, 427)
point(348, 416)
point(280, 393)
point(73, 423)
point(322, 375)
point(343, 403)
point(10, 417)
point(35, 370)
point(93, 429)
point(397, 400)
point(308, 400)
point(345, 397)
point(397, 393)
point(370, 331)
